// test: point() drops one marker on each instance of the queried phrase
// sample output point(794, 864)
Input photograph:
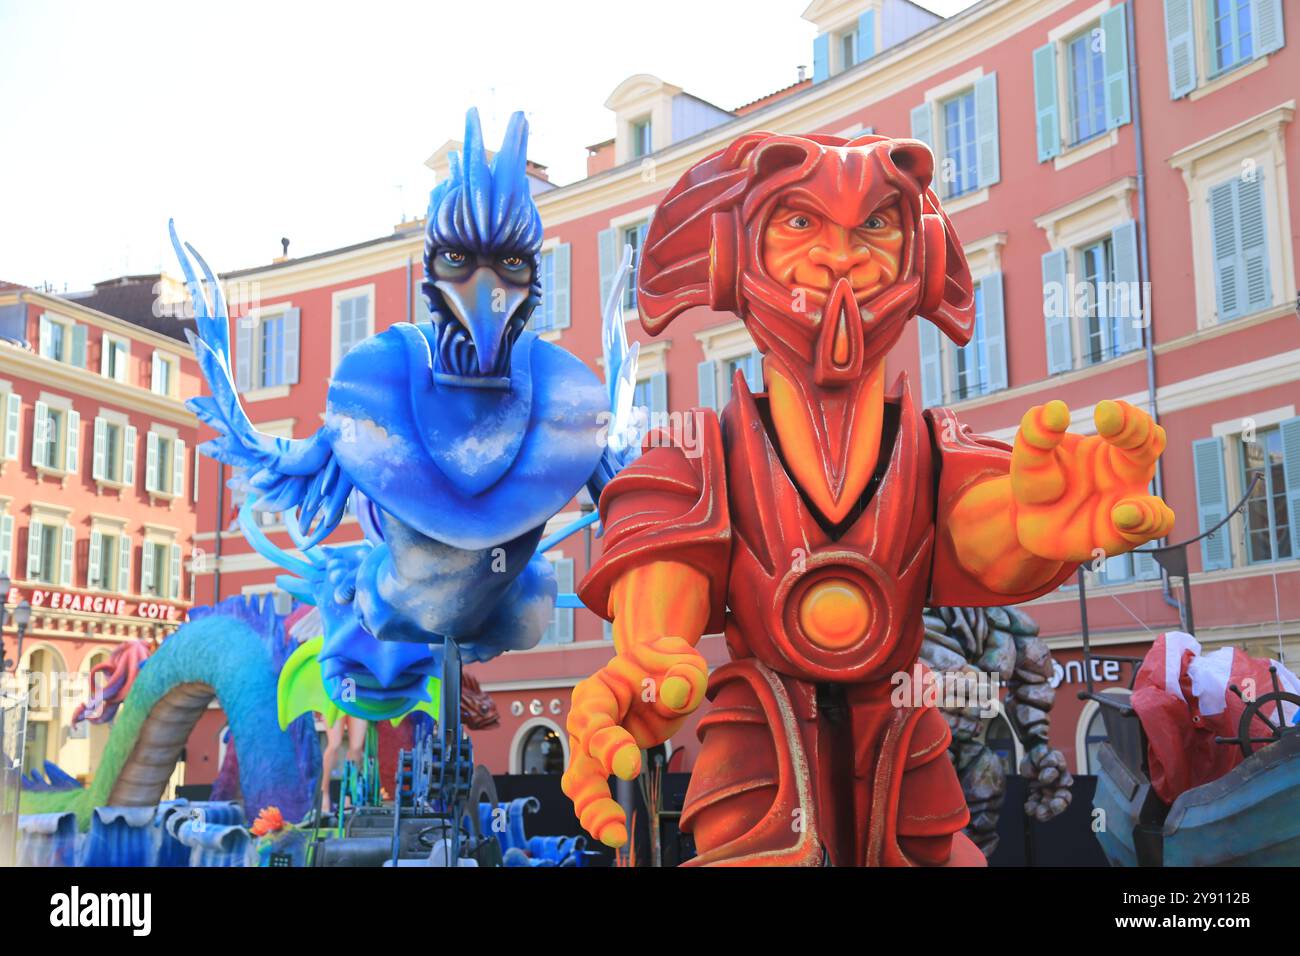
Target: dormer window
point(850, 32)
point(848, 48)
point(650, 114)
point(642, 141)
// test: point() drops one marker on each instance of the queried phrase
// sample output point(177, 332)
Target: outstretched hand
point(1075, 496)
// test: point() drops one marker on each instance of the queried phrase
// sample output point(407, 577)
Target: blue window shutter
point(1290, 430)
point(1126, 298)
point(560, 630)
point(541, 319)
point(923, 124)
point(706, 375)
point(1212, 502)
point(988, 150)
point(174, 573)
point(995, 331)
point(821, 57)
point(560, 288)
point(178, 468)
point(1114, 58)
point(931, 367)
point(13, 425)
point(244, 353)
point(291, 329)
point(40, 433)
point(659, 394)
point(607, 246)
point(1252, 236)
point(1117, 568)
point(754, 371)
point(79, 345)
point(124, 564)
point(1180, 47)
point(128, 457)
point(1056, 311)
point(66, 551)
point(35, 544)
point(1047, 105)
point(147, 569)
point(1144, 566)
point(6, 545)
point(151, 472)
point(72, 449)
point(94, 558)
point(867, 35)
point(1266, 26)
point(1227, 252)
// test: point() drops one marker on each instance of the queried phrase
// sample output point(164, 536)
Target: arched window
point(1093, 737)
point(541, 751)
point(1092, 731)
point(43, 672)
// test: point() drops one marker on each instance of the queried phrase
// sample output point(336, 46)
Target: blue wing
point(623, 441)
point(283, 473)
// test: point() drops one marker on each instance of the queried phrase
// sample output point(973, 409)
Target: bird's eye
point(512, 262)
point(875, 222)
point(454, 256)
point(799, 222)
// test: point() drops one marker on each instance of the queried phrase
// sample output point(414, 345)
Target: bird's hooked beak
point(484, 305)
point(379, 668)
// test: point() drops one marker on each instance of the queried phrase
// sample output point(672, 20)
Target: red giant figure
point(813, 522)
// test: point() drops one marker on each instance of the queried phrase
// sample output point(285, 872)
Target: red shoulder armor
point(668, 505)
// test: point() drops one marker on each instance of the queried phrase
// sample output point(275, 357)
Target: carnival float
point(837, 533)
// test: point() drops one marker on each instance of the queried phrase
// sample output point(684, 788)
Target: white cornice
point(905, 65)
point(1270, 121)
point(75, 310)
point(725, 341)
point(984, 256)
point(343, 265)
point(1110, 204)
point(1224, 383)
point(82, 381)
point(825, 104)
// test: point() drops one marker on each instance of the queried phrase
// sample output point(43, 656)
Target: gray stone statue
point(967, 646)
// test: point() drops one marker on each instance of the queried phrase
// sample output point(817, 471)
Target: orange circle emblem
point(834, 613)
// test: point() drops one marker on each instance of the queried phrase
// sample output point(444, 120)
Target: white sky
point(248, 121)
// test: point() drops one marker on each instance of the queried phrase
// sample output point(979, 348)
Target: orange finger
point(684, 687)
point(594, 721)
point(1142, 518)
point(685, 675)
point(1037, 474)
point(1130, 431)
point(587, 785)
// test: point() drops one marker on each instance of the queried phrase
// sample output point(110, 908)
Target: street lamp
point(22, 617)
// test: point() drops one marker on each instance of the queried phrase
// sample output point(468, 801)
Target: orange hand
point(1077, 497)
point(641, 697)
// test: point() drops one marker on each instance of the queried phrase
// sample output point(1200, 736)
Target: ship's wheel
point(1259, 707)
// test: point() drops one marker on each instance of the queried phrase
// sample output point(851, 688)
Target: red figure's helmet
point(704, 248)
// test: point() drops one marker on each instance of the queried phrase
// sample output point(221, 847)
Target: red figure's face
point(805, 248)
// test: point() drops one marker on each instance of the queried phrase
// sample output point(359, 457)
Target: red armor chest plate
point(827, 603)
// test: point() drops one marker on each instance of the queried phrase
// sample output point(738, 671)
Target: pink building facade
point(97, 492)
point(1124, 180)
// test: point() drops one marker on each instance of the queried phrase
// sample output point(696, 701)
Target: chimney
point(802, 72)
point(284, 252)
